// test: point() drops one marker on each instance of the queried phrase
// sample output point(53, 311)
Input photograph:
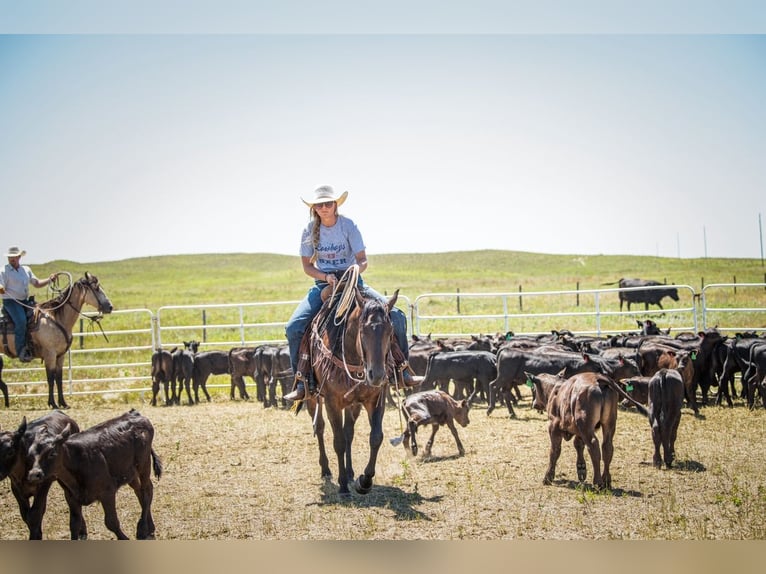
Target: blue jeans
point(18, 313)
point(309, 307)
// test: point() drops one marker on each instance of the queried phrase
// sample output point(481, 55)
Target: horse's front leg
point(363, 484)
point(59, 375)
point(349, 424)
point(335, 416)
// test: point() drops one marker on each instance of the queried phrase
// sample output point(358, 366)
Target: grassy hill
point(150, 282)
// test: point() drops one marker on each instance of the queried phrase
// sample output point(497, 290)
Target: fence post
point(82, 339)
point(521, 306)
point(735, 284)
point(578, 295)
point(458, 300)
point(204, 322)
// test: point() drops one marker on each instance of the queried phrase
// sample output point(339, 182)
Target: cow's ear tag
point(628, 387)
point(694, 356)
point(530, 384)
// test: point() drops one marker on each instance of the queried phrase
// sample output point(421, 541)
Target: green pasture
point(152, 282)
point(266, 286)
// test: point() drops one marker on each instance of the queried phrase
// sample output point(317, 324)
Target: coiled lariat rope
point(53, 287)
point(349, 280)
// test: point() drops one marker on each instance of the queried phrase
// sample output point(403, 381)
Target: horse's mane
point(58, 300)
point(329, 332)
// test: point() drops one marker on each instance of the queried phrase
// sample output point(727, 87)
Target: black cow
point(243, 363)
point(183, 368)
point(512, 364)
point(666, 397)
point(208, 363)
point(163, 373)
point(436, 408)
point(462, 367)
point(3, 386)
point(736, 360)
point(14, 463)
point(648, 297)
point(754, 378)
point(93, 464)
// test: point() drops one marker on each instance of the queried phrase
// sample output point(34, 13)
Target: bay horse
point(352, 363)
point(50, 331)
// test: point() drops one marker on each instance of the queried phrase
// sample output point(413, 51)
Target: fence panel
point(100, 361)
point(224, 325)
point(118, 360)
point(580, 311)
point(734, 307)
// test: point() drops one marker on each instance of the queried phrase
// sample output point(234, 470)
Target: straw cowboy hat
point(15, 252)
point(325, 193)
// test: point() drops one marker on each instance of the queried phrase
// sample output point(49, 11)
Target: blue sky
point(127, 144)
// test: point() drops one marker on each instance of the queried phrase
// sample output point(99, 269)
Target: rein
point(343, 308)
point(65, 294)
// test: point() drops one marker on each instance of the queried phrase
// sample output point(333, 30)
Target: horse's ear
point(392, 300)
point(87, 276)
point(359, 298)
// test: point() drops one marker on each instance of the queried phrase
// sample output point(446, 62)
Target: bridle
point(348, 301)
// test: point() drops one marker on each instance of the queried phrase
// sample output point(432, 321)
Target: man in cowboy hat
point(330, 244)
point(14, 287)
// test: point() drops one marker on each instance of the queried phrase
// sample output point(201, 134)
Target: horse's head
point(374, 337)
point(94, 295)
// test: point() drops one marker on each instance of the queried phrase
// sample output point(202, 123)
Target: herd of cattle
point(577, 380)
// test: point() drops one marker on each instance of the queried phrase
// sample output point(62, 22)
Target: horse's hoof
point(361, 488)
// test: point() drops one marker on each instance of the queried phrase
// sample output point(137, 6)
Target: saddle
point(7, 325)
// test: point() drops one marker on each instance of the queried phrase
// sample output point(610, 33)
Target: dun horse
point(51, 329)
point(352, 363)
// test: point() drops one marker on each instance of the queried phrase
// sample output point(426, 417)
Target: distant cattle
point(208, 363)
point(183, 368)
point(464, 368)
point(242, 363)
point(736, 360)
point(513, 363)
point(93, 464)
point(630, 294)
point(437, 408)
point(666, 396)
point(754, 377)
point(163, 374)
point(3, 386)
point(14, 464)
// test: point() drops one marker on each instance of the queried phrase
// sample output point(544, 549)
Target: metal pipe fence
point(118, 361)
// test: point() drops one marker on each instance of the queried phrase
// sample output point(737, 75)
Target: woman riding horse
point(352, 362)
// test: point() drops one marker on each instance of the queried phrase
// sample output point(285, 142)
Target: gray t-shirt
point(338, 245)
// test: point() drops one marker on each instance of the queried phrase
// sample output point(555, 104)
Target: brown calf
point(436, 408)
point(577, 408)
point(93, 464)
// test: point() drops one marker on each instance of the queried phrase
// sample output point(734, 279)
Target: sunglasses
point(325, 204)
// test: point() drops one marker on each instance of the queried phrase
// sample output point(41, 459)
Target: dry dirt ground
point(236, 471)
